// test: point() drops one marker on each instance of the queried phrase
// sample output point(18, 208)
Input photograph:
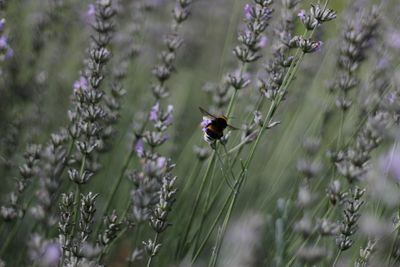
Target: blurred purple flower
point(81, 85)
point(394, 39)
point(3, 43)
point(90, 13)
point(2, 24)
point(204, 123)
point(302, 14)
point(169, 117)
point(317, 46)
point(51, 255)
point(139, 148)
point(9, 53)
point(263, 41)
point(161, 162)
point(154, 112)
point(247, 11)
point(390, 164)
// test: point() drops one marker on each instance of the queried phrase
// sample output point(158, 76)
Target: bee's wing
point(206, 113)
point(232, 127)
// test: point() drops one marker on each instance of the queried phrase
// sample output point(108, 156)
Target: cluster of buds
point(252, 39)
point(278, 65)
point(334, 193)
point(153, 196)
point(53, 161)
point(161, 120)
point(112, 228)
point(80, 251)
point(306, 45)
point(87, 212)
point(147, 183)
point(352, 163)
point(13, 209)
point(65, 222)
point(158, 218)
point(351, 215)
point(316, 16)
point(357, 39)
point(162, 71)
point(89, 118)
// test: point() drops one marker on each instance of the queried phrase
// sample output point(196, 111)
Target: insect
point(214, 126)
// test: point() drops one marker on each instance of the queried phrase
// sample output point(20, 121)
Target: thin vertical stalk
point(151, 257)
point(198, 197)
point(336, 258)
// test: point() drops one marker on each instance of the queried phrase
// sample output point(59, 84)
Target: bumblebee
point(214, 126)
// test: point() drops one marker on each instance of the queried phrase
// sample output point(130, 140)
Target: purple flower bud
point(9, 53)
point(263, 41)
point(3, 43)
point(247, 11)
point(139, 148)
point(51, 255)
point(154, 112)
point(2, 24)
point(302, 14)
point(90, 13)
point(318, 46)
point(169, 117)
point(394, 40)
point(390, 164)
point(81, 85)
point(161, 162)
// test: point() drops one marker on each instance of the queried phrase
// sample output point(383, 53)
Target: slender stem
point(231, 104)
point(197, 201)
point(336, 258)
point(192, 176)
point(152, 256)
point(203, 243)
point(206, 212)
point(223, 230)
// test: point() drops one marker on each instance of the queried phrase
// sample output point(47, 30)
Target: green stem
point(151, 257)
point(203, 243)
point(336, 258)
point(206, 211)
point(223, 230)
point(198, 197)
